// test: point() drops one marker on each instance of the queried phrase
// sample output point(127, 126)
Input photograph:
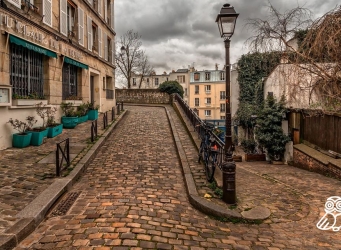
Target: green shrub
point(172, 87)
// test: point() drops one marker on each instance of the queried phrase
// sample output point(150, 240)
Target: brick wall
point(331, 168)
point(142, 96)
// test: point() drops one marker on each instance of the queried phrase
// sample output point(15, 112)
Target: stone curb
point(198, 202)
point(34, 213)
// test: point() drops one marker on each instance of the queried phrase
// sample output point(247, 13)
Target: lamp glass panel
point(228, 24)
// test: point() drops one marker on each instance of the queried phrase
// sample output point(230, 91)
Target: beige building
point(207, 94)
point(153, 81)
point(56, 50)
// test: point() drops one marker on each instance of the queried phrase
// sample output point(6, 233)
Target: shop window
point(69, 81)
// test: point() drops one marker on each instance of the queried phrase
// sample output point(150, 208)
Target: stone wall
point(312, 161)
point(142, 96)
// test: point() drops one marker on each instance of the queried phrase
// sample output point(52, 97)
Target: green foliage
point(68, 109)
point(269, 132)
point(82, 109)
point(248, 145)
point(34, 96)
point(171, 87)
point(252, 69)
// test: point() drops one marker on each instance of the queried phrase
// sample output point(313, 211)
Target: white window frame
point(207, 112)
point(44, 12)
point(156, 81)
point(63, 17)
point(89, 28)
point(207, 76)
point(196, 102)
point(80, 26)
point(196, 87)
point(222, 95)
point(208, 88)
point(222, 107)
point(134, 81)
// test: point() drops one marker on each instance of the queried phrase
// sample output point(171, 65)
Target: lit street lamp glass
point(123, 49)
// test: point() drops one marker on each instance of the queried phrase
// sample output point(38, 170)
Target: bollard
point(112, 113)
point(229, 181)
point(121, 106)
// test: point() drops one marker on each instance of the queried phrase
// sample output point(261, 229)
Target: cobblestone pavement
point(23, 178)
point(132, 196)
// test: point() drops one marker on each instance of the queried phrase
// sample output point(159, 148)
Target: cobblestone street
point(133, 196)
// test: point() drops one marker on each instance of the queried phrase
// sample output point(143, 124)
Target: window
point(222, 95)
point(207, 112)
point(47, 12)
point(134, 81)
point(181, 79)
point(222, 107)
point(147, 81)
point(156, 81)
point(94, 37)
point(70, 13)
point(89, 29)
point(222, 76)
point(222, 117)
point(69, 80)
point(196, 102)
point(26, 76)
point(196, 76)
point(207, 76)
point(185, 91)
point(208, 88)
point(208, 101)
point(196, 89)
point(81, 26)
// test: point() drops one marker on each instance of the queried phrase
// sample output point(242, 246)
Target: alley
point(133, 196)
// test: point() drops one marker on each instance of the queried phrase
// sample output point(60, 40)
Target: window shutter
point(17, 3)
point(112, 52)
point(99, 41)
point(100, 7)
point(89, 26)
point(105, 10)
point(81, 26)
point(91, 2)
point(63, 17)
point(112, 16)
point(47, 12)
point(105, 46)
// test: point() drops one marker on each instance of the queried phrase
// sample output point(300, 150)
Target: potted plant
point(29, 100)
point(250, 148)
point(82, 112)
point(92, 111)
point(22, 139)
point(70, 119)
point(53, 128)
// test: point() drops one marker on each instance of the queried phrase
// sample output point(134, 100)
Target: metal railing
point(93, 130)
point(195, 121)
point(65, 155)
point(109, 94)
point(105, 119)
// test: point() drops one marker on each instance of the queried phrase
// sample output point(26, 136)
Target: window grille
point(69, 80)
point(26, 71)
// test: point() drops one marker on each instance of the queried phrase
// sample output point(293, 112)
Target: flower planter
point(74, 102)
point(54, 131)
point(254, 157)
point(27, 102)
point(69, 122)
point(237, 158)
point(93, 114)
point(82, 119)
point(21, 141)
point(37, 137)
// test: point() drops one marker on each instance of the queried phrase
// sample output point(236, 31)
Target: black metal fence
point(93, 130)
point(198, 126)
point(65, 153)
point(105, 119)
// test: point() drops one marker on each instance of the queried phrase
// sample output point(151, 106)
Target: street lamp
point(226, 21)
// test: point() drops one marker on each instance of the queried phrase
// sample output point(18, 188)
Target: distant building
point(207, 94)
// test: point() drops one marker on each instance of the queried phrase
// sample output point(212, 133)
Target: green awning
point(31, 46)
point(76, 63)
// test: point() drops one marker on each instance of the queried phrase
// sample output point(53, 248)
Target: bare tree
point(145, 68)
point(315, 61)
point(129, 55)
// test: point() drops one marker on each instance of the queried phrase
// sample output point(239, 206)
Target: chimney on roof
point(173, 71)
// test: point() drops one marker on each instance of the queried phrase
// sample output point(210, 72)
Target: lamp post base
point(229, 180)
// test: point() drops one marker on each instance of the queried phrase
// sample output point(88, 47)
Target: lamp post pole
point(226, 21)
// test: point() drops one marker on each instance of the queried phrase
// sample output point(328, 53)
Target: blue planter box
point(69, 122)
point(37, 137)
point(82, 119)
point(93, 114)
point(21, 141)
point(54, 131)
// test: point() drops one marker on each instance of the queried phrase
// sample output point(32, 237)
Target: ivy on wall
point(252, 69)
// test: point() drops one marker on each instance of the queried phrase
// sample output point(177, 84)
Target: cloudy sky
point(178, 33)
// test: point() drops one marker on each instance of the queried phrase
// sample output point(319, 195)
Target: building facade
point(207, 94)
point(55, 51)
